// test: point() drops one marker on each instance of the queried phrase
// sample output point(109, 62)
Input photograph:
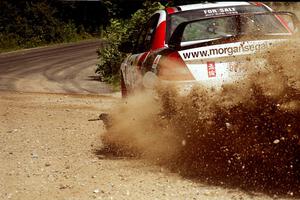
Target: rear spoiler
point(176, 38)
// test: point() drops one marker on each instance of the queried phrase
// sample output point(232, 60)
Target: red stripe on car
point(159, 37)
point(170, 10)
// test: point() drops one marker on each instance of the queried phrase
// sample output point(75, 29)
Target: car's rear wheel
point(124, 90)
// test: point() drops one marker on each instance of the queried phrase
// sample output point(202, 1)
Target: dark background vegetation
point(26, 24)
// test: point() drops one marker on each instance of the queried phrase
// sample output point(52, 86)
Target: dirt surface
point(50, 147)
point(49, 150)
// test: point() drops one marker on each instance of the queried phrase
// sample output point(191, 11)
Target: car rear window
point(222, 27)
point(225, 25)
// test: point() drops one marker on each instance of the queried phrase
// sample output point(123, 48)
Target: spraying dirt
point(245, 135)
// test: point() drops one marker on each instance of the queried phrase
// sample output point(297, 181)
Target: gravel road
point(65, 68)
point(49, 147)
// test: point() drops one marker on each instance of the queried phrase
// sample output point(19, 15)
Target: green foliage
point(122, 8)
point(121, 31)
point(110, 57)
point(28, 24)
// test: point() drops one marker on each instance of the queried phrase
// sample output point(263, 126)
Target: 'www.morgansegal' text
point(243, 48)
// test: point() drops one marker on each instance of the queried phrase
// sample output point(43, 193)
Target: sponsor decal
point(155, 63)
point(208, 71)
point(211, 69)
point(220, 11)
point(231, 49)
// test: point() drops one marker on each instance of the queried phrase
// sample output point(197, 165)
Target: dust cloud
point(245, 135)
point(137, 128)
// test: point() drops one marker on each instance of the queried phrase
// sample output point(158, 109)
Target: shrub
point(121, 31)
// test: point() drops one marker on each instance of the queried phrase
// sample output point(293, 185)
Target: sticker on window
point(220, 11)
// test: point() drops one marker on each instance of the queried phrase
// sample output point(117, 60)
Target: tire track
point(60, 69)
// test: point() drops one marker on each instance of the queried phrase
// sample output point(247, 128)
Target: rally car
point(203, 43)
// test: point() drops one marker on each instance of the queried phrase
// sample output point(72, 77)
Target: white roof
point(212, 5)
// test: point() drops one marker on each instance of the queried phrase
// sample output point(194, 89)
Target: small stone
point(62, 187)
point(100, 157)
point(291, 193)
point(183, 142)
point(9, 196)
point(276, 141)
point(51, 178)
point(47, 164)
point(34, 155)
point(96, 191)
point(228, 125)
point(66, 176)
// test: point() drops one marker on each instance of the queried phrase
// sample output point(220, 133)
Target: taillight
point(173, 68)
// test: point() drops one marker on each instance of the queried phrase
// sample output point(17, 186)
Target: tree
point(26, 24)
